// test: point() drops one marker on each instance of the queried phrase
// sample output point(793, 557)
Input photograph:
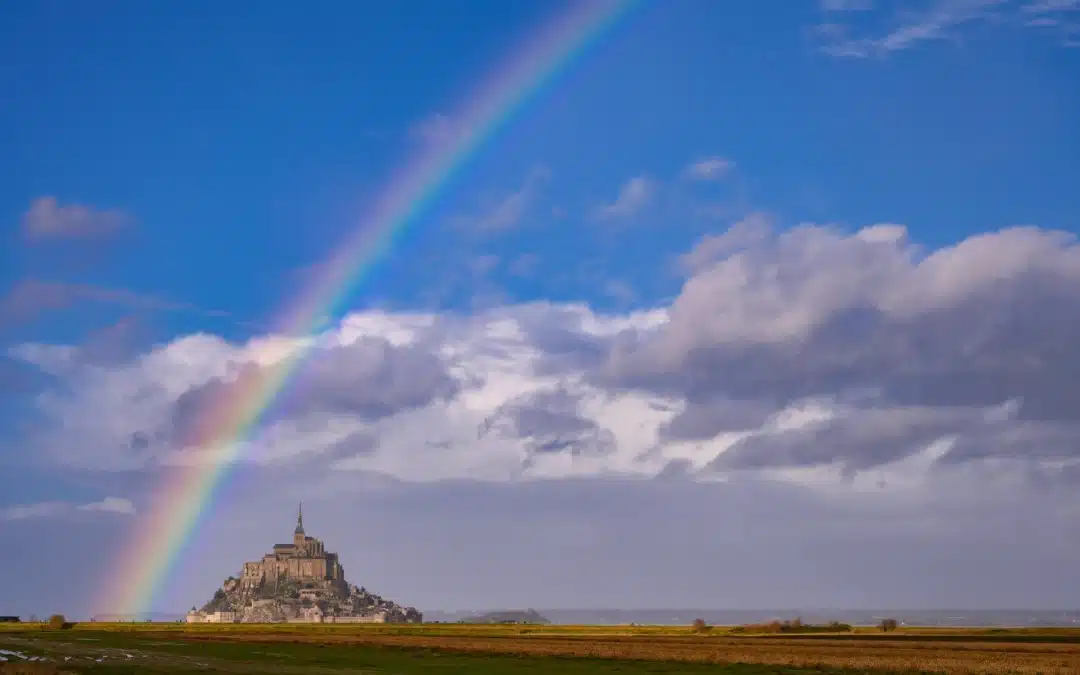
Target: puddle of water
point(7, 655)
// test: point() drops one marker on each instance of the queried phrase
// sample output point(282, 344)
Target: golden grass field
point(1022, 651)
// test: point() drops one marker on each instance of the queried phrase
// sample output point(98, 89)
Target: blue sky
point(247, 141)
point(198, 159)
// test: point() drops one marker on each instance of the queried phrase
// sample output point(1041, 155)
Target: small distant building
point(9, 619)
point(211, 617)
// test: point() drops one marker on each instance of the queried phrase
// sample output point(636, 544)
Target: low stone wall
point(378, 618)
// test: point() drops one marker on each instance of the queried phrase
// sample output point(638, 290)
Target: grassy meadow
point(513, 649)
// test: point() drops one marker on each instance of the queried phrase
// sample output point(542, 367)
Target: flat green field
point(491, 650)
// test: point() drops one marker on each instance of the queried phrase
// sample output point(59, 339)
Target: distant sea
point(721, 617)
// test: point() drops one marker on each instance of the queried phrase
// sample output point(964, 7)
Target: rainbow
point(187, 493)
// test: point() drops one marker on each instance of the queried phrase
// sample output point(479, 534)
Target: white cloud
point(1051, 6)
point(944, 20)
point(110, 505)
point(47, 219)
point(895, 348)
point(58, 508)
point(710, 168)
point(634, 196)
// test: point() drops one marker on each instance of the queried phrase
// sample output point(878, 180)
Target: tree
point(888, 625)
point(58, 621)
point(699, 626)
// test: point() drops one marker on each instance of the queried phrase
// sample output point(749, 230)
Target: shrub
point(888, 625)
point(58, 621)
point(699, 626)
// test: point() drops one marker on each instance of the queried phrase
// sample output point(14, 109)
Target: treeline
point(794, 626)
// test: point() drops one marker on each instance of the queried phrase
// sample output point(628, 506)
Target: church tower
point(298, 533)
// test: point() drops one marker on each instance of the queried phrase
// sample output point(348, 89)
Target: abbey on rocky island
point(305, 559)
point(298, 582)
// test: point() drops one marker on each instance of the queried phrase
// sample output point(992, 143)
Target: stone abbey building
point(304, 560)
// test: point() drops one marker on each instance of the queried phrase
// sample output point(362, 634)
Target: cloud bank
point(808, 353)
point(849, 398)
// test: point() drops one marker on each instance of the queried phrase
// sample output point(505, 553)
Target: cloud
point(620, 291)
point(482, 265)
point(109, 505)
point(366, 379)
point(115, 505)
point(634, 196)
point(47, 219)
point(1060, 17)
point(1051, 6)
point(710, 168)
point(814, 355)
point(33, 295)
point(548, 421)
point(437, 129)
point(524, 266)
point(945, 20)
point(28, 298)
point(846, 5)
point(602, 543)
point(715, 247)
point(857, 399)
point(506, 212)
point(39, 510)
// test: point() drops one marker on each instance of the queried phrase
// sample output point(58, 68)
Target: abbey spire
point(300, 519)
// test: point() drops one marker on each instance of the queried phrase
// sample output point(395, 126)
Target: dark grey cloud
point(367, 380)
point(356, 444)
point(702, 420)
point(917, 341)
point(1023, 440)
point(602, 543)
point(558, 333)
point(370, 378)
point(856, 438)
point(548, 422)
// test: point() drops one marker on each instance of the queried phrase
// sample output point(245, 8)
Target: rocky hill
point(308, 600)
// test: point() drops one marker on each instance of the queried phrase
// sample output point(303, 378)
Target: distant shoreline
point(952, 618)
